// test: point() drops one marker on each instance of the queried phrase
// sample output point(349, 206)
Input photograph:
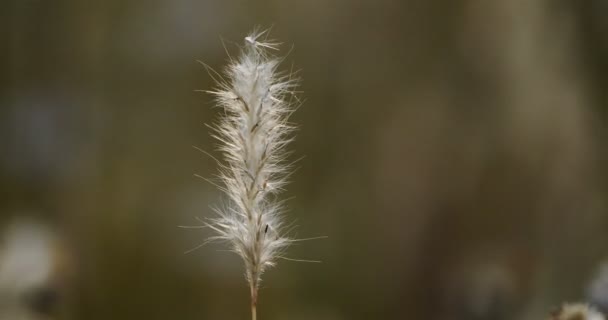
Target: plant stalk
point(254, 303)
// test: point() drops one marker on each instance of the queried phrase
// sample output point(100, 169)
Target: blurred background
point(453, 154)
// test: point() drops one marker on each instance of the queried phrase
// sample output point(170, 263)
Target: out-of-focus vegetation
point(454, 155)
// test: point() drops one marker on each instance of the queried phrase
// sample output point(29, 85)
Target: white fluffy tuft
point(253, 133)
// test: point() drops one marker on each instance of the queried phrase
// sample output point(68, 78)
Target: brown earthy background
point(454, 155)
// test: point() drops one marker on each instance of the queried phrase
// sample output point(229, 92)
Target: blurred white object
point(576, 311)
point(27, 264)
point(597, 291)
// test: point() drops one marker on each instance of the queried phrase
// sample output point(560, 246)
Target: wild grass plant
point(253, 131)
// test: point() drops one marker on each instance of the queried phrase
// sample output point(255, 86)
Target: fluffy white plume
point(253, 132)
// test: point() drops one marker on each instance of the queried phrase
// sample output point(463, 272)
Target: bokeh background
point(454, 155)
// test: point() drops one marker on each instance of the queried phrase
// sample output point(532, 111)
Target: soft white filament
point(253, 133)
